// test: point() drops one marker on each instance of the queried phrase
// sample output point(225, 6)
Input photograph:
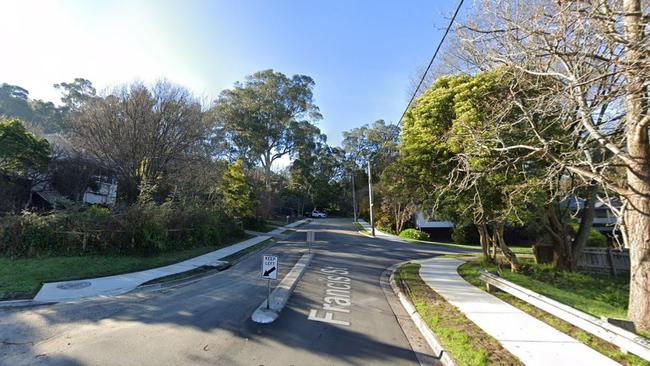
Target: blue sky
point(361, 54)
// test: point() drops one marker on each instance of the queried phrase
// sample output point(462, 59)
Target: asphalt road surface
point(338, 314)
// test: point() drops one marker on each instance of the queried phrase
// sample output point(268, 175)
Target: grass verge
point(470, 272)
point(231, 259)
point(22, 278)
point(598, 295)
point(516, 249)
point(464, 340)
point(358, 226)
point(280, 222)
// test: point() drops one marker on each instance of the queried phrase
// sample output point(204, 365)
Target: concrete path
point(531, 340)
point(279, 230)
point(208, 321)
point(381, 234)
point(120, 284)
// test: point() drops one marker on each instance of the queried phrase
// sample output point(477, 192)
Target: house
point(437, 229)
point(105, 193)
point(604, 219)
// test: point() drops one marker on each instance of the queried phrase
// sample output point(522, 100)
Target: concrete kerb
point(429, 336)
point(138, 279)
point(282, 292)
point(194, 278)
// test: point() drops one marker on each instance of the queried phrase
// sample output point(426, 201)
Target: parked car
point(318, 214)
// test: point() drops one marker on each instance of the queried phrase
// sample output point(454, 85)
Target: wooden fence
point(609, 260)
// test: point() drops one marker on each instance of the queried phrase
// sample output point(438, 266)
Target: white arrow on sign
point(269, 267)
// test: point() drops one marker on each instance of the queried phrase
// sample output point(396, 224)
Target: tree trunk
point(560, 239)
point(483, 238)
point(586, 223)
point(637, 217)
point(509, 254)
point(493, 244)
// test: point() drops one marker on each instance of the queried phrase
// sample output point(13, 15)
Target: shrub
point(255, 223)
point(142, 229)
point(414, 234)
point(386, 229)
point(596, 238)
point(466, 235)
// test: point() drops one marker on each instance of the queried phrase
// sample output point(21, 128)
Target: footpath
point(531, 340)
point(123, 283)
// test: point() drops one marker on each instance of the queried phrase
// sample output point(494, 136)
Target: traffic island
point(269, 311)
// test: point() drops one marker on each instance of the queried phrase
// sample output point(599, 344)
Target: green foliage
point(596, 294)
point(20, 150)
point(267, 116)
point(314, 178)
point(596, 238)
point(238, 199)
point(15, 103)
point(378, 143)
point(383, 224)
point(255, 224)
point(414, 234)
point(465, 235)
point(589, 293)
point(142, 229)
point(466, 343)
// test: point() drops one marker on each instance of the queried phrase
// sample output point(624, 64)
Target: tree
point(238, 199)
point(589, 61)
point(400, 193)
point(14, 102)
point(446, 141)
point(20, 151)
point(141, 133)
point(45, 116)
point(23, 158)
point(76, 93)
point(267, 117)
point(314, 176)
point(378, 143)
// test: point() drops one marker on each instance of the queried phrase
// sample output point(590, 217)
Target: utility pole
point(354, 198)
point(372, 220)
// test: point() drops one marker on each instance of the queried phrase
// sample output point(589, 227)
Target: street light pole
point(354, 198)
point(372, 220)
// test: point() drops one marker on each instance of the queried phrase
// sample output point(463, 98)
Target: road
point(207, 322)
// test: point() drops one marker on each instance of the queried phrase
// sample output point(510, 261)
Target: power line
point(431, 62)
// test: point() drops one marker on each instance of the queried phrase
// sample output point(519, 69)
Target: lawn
point(598, 295)
point(466, 342)
point(517, 249)
point(22, 278)
point(594, 294)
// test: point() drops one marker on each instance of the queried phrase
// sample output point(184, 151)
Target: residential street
point(207, 322)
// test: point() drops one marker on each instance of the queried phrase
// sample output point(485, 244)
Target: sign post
point(269, 272)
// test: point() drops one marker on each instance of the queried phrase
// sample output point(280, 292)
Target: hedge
point(143, 229)
point(414, 234)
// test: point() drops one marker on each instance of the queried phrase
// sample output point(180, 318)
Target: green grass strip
point(465, 341)
point(470, 272)
point(22, 278)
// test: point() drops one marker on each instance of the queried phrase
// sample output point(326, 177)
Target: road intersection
point(208, 321)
